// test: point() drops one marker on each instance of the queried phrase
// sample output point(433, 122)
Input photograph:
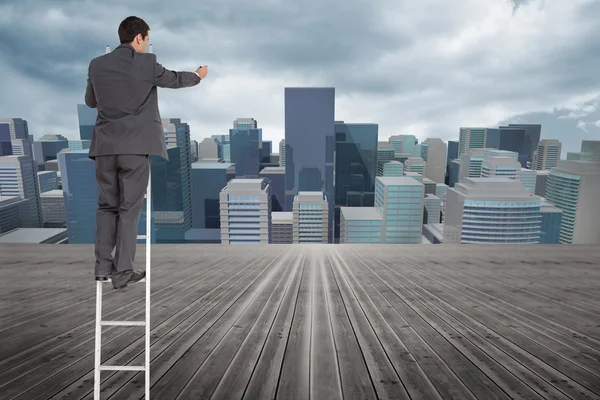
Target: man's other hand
point(202, 71)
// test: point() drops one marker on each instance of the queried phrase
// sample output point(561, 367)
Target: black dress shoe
point(103, 278)
point(127, 278)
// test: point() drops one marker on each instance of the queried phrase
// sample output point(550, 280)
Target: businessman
point(122, 85)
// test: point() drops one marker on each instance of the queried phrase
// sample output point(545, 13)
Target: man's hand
point(202, 71)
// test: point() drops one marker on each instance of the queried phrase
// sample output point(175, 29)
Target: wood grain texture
point(309, 322)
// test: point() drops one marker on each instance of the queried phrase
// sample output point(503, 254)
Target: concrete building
point(360, 225)
point(414, 175)
point(393, 168)
point(208, 149)
point(429, 185)
point(385, 154)
point(20, 139)
point(282, 153)
point(416, 164)
point(47, 180)
point(505, 167)
point(453, 172)
point(472, 138)
point(436, 160)
point(282, 227)
point(547, 154)
point(10, 213)
point(245, 207)
point(572, 156)
point(592, 149)
point(194, 150)
point(400, 202)
point(541, 182)
point(78, 145)
point(520, 138)
point(528, 179)
point(276, 177)
point(245, 123)
point(491, 210)
point(470, 164)
point(440, 191)
point(403, 144)
point(433, 209)
point(310, 212)
point(53, 209)
point(18, 177)
point(48, 147)
point(574, 187)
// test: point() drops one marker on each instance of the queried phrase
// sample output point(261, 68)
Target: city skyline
point(50, 80)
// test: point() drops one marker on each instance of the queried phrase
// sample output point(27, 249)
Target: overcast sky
point(423, 67)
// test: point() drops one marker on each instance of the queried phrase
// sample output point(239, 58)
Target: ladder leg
point(148, 259)
point(98, 344)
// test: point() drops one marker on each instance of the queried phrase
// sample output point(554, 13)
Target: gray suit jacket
point(123, 85)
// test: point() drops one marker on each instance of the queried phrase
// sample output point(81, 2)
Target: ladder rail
point(98, 366)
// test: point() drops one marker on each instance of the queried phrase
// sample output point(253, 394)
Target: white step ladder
point(98, 367)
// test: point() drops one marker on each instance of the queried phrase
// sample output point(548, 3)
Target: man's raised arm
point(166, 78)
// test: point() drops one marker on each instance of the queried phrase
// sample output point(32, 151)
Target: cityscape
point(331, 182)
point(355, 200)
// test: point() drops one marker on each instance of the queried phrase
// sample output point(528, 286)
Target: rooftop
point(361, 213)
point(285, 321)
point(399, 180)
point(211, 165)
point(34, 235)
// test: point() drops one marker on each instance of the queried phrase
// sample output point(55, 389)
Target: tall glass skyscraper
point(208, 179)
point(87, 120)
point(48, 147)
point(18, 177)
point(520, 138)
point(310, 144)
point(276, 177)
point(244, 151)
point(355, 166)
point(80, 192)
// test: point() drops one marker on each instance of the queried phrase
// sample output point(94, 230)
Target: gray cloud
point(413, 67)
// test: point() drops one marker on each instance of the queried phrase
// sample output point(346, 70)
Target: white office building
point(547, 154)
point(491, 210)
point(245, 210)
point(311, 211)
point(436, 159)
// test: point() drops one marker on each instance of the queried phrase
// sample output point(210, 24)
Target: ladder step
point(123, 323)
point(141, 236)
point(122, 368)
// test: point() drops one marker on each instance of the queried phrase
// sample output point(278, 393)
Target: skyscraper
point(547, 154)
point(177, 133)
point(574, 187)
point(360, 225)
point(310, 144)
point(208, 179)
point(53, 209)
point(541, 182)
point(393, 168)
point(47, 180)
point(436, 159)
point(245, 123)
point(48, 147)
point(87, 120)
point(355, 166)
point(472, 139)
point(80, 192)
point(282, 227)
point(385, 153)
point(245, 151)
point(18, 177)
point(415, 164)
point(208, 148)
point(11, 208)
point(245, 206)
point(276, 178)
point(21, 141)
point(491, 210)
point(5, 140)
point(520, 138)
point(282, 153)
point(400, 202)
point(551, 222)
point(591, 147)
point(452, 151)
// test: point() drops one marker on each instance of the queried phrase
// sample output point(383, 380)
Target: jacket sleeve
point(90, 96)
point(173, 79)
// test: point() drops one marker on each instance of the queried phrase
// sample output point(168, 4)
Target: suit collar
point(127, 46)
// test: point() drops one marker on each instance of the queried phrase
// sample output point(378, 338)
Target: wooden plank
point(61, 378)
point(354, 375)
point(470, 365)
point(294, 380)
point(180, 320)
point(413, 378)
point(324, 369)
point(416, 350)
point(208, 327)
point(261, 355)
point(517, 346)
point(261, 312)
point(386, 381)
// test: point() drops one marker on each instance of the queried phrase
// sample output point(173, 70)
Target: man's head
point(136, 32)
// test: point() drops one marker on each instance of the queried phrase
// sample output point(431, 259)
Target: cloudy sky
point(424, 67)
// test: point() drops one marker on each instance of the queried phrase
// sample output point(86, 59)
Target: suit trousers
point(122, 181)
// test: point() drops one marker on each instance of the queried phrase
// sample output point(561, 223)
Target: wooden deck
point(310, 322)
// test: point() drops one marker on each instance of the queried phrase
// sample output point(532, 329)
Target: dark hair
point(131, 27)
